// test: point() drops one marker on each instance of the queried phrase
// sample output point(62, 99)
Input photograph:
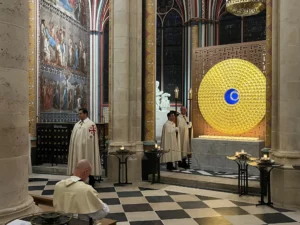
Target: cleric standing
point(84, 145)
point(170, 141)
point(184, 126)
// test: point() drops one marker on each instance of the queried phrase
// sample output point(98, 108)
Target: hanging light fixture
point(245, 7)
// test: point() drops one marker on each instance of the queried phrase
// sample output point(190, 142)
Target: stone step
point(206, 182)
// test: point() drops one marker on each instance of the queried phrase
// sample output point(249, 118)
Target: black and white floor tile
point(209, 173)
point(160, 204)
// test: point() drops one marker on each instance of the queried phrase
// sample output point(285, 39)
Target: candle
point(155, 146)
point(122, 148)
point(243, 151)
point(191, 94)
point(236, 153)
point(158, 147)
point(265, 156)
point(176, 92)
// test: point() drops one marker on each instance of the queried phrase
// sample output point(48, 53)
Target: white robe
point(76, 197)
point(184, 134)
point(169, 141)
point(84, 145)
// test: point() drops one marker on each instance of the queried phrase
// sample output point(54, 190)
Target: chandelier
point(245, 7)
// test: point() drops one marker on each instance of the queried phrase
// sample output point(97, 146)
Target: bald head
point(183, 110)
point(83, 169)
point(83, 164)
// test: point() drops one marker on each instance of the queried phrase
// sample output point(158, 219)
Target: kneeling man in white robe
point(74, 196)
point(170, 140)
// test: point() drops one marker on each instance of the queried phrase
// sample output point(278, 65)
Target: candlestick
point(190, 94)
point(176, 92)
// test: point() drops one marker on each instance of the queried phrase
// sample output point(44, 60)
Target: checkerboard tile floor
point(172, 205)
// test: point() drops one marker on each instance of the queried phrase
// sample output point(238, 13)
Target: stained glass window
point(234, 29)
point(170, 45)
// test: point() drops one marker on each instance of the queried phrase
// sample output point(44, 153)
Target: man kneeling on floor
point(74, 196)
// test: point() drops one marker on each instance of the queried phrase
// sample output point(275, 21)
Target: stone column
point(14, 198)
point(126, 83)
point(286, 103)
point(269, 75)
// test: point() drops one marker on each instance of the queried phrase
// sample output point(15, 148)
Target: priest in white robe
point(184, 126)
point(84, 145)
point(74, 196)
point(170, 140)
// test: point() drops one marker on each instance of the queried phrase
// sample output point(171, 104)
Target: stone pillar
point(126, 83)
point(14, 198)
point(269, 74)
point(286, 103)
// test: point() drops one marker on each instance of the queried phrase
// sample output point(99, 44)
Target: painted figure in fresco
point(56, 97)
point(72, 3)
point(49, 36)
point(71, 52)
point(63, 48)
point(76, 57)
point(83, 15)
point(66, 5)
point(65, 98)
point(44, 43)
point(84, 60)
point(78, 10)
point(80, 54)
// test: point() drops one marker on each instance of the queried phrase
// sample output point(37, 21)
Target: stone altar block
point(209, 152)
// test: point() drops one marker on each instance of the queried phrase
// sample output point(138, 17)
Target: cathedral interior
point(232, 64)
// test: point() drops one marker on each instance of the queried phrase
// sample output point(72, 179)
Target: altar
point(209, 152)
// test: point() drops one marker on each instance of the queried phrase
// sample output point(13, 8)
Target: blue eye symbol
point(232, 96)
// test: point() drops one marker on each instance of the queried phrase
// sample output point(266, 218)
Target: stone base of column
point(285, 188)
point(27, 208)
point(134, 162)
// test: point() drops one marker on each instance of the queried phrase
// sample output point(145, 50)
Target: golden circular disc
point(245, 8)
point(232, 96)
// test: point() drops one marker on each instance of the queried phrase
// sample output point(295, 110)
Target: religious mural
point(63, 60)
point(75, 9)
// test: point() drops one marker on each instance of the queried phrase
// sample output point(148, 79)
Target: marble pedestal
point(210, 154)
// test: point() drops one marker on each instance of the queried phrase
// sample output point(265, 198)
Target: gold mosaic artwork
point(232, 96)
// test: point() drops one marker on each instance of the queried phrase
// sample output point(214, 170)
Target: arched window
point(170, 45)
point(104, 68)
point(234, 29)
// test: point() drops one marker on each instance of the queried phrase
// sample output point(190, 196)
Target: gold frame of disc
point(245, 7)
point(250, 106)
